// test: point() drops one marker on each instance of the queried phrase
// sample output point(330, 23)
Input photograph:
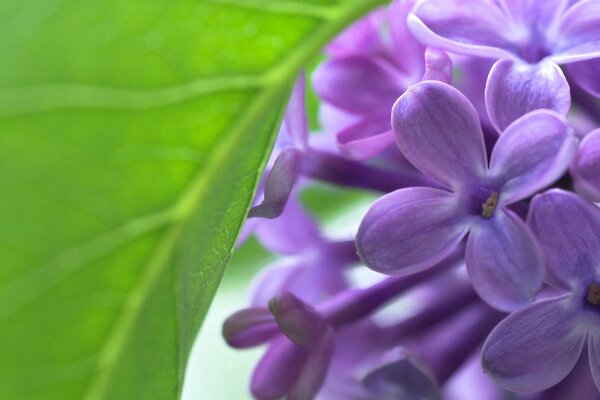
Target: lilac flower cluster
point(478, 123)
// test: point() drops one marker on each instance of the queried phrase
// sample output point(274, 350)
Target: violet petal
point(295, 121)
point(407, 51)
point(410, 230)
point(536, 347)
point(438, 131)
point(314, 370)
point(585, 169)
point(504, 262)
point(279, 184)
point(249, 327)
point(594, 356)
point(278, 369)
point(366, 139)
point(362, 37)
point(401, 376)
point(358, 84)
point(514, 88)
point(310, 282)
point(438, 66)
point(533, 152)
point(578, 37)
point(298, 321)
point(585, 74)
point(293, 232)
point(474, 27)
point(568, 230)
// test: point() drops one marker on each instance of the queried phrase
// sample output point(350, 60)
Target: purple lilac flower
point(284, 166)
point(537, 346)
point(296, 156)
point(411, 229)
point(301, 337)
point(528, 38)
point(585, 169)
point(312, 267)
point(360, 83)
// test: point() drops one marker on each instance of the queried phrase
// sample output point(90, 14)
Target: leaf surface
point(132, 137)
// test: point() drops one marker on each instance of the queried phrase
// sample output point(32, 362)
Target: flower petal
point(585, 74)
point(293, 232)
point(515, 88)
point(585, 169)
point(594, 356)
point(367, 138)
point(438, 66)
point(249, 327)
point(504, 261)
point(300, 322)
point(578, 36)
point(568, 230)
point(295, 121)
point(474, 27)
point(358, 84)
point(279, 184)
point(401, 375)
point(278, 369)
point(536, 347)
point(311, 282)
point(438, 131)
point(362, 37)
point(410, 230)
point(533, 152)
point(407, 51)
point(314, 370)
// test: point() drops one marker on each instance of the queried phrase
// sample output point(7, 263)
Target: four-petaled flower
point(537, 346)
point(529, 38)
point(409, 230)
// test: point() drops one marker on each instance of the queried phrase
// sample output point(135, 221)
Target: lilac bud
point(249, 327)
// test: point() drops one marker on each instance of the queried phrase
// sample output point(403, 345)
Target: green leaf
point(132, 135)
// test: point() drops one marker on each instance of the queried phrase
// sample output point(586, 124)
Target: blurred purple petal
point(401, 376)
point(537, 15)
point(298, 321)
point(594, 356)
point(410, 230)
point(579, 33)
point(407, 51)
point(533, 152)
point(358, 84)
point(367, 138)
point(279, 184)
point(314, 370)
point(535, 347)
point(438, 131)
point(249, 327)
point(587, 75)
point(568, 230)
point(362, 37)
point(585, 169)
point(504, 262)
point(291, 233)
point(278, 369)
point(515, 88)
point(310, 282)
point(474, 27)
point(438, 66)
point(471, 82)
point(334, 119)
point(295, 120)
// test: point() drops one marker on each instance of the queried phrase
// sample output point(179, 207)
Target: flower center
point(593, 294)
point(490, 205)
